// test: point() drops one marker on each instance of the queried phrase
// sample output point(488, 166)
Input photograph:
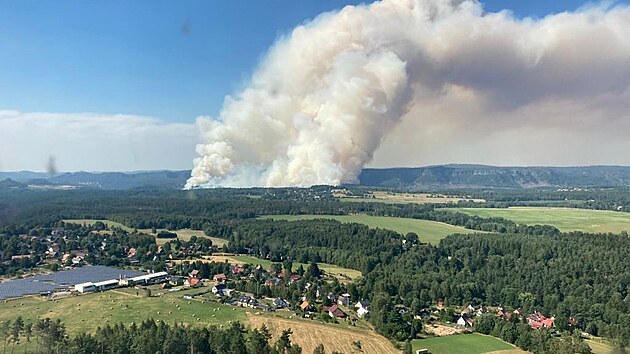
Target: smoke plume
point(328, 94)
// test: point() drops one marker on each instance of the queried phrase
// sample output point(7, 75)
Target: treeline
point(147, 337)
point(575, 275)
point(586, 198)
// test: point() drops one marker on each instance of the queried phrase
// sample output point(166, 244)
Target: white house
point(363, 308)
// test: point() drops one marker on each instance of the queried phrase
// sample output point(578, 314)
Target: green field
point(428, 231)
point(182, 234)
point(599, 346)
point(464, 344)
point(565, 219)
point(87, 312)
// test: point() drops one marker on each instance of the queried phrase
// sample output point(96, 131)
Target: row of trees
point(148, 337)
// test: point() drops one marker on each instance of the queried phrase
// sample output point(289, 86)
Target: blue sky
point(118, 84)
point(173, 60)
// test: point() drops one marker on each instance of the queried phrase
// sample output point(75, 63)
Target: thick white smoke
point(325, 97)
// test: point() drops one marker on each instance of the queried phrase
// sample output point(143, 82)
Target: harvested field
point(402, 198)
point(334, 337)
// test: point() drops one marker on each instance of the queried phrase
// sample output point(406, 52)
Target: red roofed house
point(538, 320)
point(334, 311)
point(307, 307)
point(193, 282)
point(219, 279)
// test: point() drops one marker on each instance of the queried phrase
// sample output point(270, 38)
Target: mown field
point(565, 219)
point(599, 346)
point(428, 231)
point(87, 312)
point(182, 234)
point(308, 334)
point(465, 344)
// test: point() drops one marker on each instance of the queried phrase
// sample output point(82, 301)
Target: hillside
point(479, 176)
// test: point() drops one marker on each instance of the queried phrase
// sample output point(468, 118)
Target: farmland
point(465, 344)
point(308, 335)
point(182, 234)
point(401, 198)
point(565, 219)
point(428, 231)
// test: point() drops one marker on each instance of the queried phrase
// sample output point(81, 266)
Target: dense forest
point(574, 275)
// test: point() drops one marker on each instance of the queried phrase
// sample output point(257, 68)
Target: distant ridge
point(481, 176)
point(406, 178)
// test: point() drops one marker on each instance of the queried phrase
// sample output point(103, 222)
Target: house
point(131, 253)
point(538, 320)
point(280, 303)
point(263, 307)
point(273, 282)
point(307, 307)
point(334, 311)
point(294, 277)
point(363, 308)
point(465, 321)
point(468, 310)
point(343, 300)
point(176, 281)
point(219, 278)
point(194, 273)
point(218, 289)
point(237, 270)
point(193, 282)
point(246, 301)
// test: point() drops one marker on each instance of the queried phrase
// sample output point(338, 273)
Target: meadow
point(428, 231)
point(565, 219)
point(182, 234)
point(465, 344)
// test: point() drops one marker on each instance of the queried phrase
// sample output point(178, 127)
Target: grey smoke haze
point(400, 78)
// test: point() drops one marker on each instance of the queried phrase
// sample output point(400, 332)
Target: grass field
point(240, 259)
point(182, 234)
point(308, 334)
point(428, 231)
point(402, 198)
point(599, 347)
point(465, 344)
point(565, 219)
point(87, 312)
